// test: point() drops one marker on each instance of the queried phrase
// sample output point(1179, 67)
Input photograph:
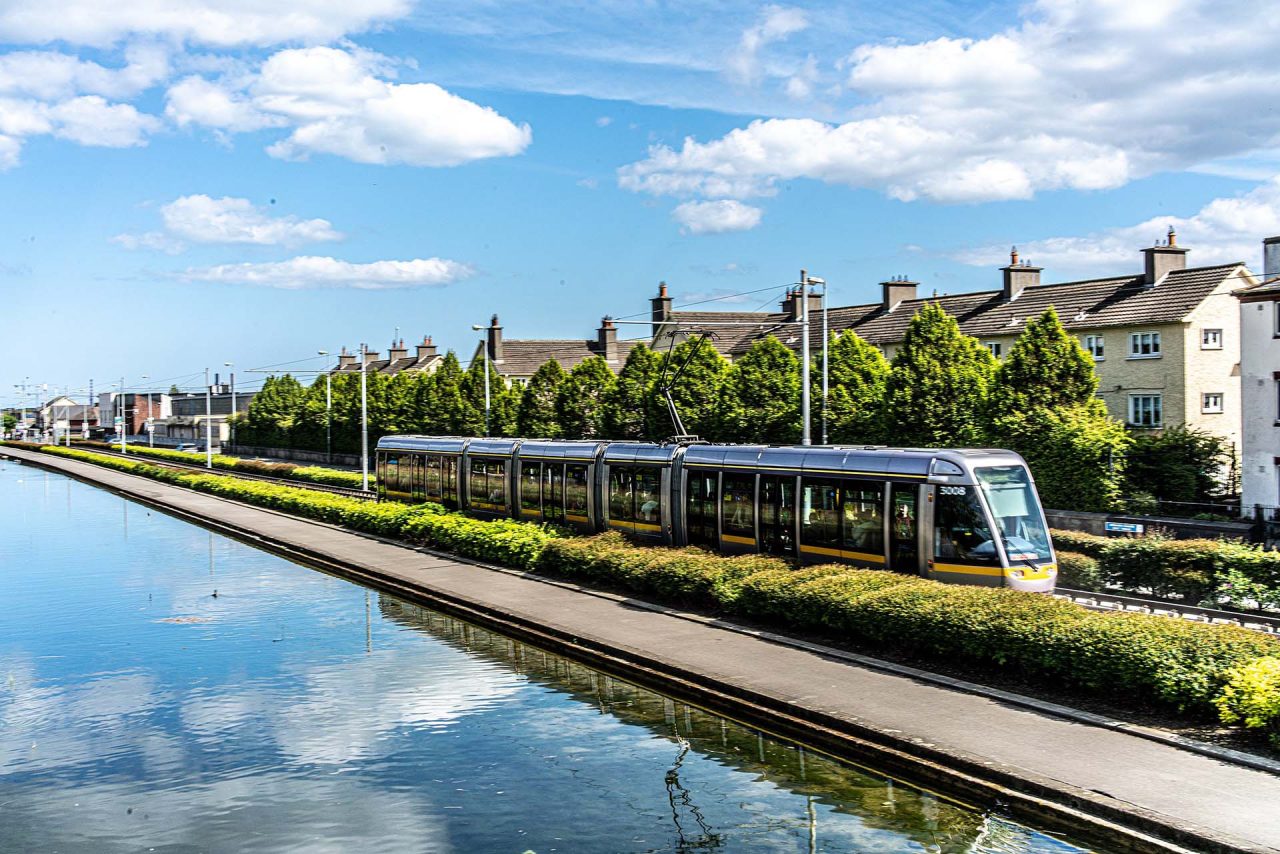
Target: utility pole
point(84, 425)
point(805, 438)
point(232, 366)
point(328, 410)
point(208, 421)
point(124, 416)
point(484, 348)
point(364, 418)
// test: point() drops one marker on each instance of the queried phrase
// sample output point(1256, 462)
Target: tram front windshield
point(1016, 508)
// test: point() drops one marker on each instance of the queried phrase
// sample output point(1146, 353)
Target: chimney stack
point(607, 340)
point(895, 291)
point(660, 309)
point(1270, 258)
point(494, 340)
point(1163, 258)
point(1018, 276)
point(398, 350)
point(370, 356)
point(426, 350)
point(345, 358)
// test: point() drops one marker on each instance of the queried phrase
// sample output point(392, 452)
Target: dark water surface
point(166, 689)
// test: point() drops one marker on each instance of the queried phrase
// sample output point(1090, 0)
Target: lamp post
point(328, 411)
point(208, 421)
point(484, 348)
point(151, 417)
point(124, 416)
point(364, 418)
point(805, 438)
point(232, 417)
point(826, 337)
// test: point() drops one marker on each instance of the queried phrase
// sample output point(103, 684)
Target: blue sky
point(188, 183)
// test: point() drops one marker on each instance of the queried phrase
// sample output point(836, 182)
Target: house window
point(1210, 339)
point(1095, 346)
point(1211, 402)
point(1144, 345)
point(1145, 410)
point(994, 347)
point(1277, 319)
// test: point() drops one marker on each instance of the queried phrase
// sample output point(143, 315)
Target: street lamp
point(328, 411)
point(232, 417)
point(208, 421)
point(364, 418)
point(484, 348)
point(826, 337)
point(151, 417)
point(124, 415)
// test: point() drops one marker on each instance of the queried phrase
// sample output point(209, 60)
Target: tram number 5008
point(952, 490)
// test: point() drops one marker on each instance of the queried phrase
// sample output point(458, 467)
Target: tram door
point(904, 528)
point(700, 509)
point(777, 514)
point(553, 492)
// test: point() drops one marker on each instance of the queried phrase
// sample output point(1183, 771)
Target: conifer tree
point(537, 418)
point(760, 396)
point(632, 408)
point(938, 384)
point(580, 400)
point(454, 414)
point(505, 409)
point(473, 393)
point(273, 412)
point(1046, 367)
point(698, 388)
point(856, 384)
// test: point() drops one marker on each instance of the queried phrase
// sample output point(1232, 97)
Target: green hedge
point(1079, 572)
point(1192, 667)
point(292, 471)
point(1181, 665)
point(1225, 572)
point(504, 541)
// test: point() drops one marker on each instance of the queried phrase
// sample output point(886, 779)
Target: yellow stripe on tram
point(742, 541)
point(964, 569)
point(573, 518)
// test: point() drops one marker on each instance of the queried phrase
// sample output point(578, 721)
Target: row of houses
point(1173, 344)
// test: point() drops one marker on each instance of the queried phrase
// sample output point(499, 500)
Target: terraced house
point(1165, 341)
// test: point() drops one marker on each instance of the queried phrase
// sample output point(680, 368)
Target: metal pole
point(328, 417)
point(486, 387)
point(232, 417)
point(826, 337)
point(364, 419)
point(208, 421)
point(151, 416)
point(124, 418)
point(805, 438)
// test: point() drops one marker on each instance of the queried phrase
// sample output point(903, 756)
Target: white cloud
point(91, 120)
point(322, 272)
point(219, 23)
point(336, 103)
point(202, 219)
point(776, 24)
point(716, 217)
point(1081, 95)
point(1224, 230)
point(49, 75)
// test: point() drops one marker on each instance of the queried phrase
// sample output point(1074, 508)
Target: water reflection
point(296, 711)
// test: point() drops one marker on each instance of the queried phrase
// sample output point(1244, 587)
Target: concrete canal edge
point(1026, 795)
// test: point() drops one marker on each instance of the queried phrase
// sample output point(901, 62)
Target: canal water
point(166, 689)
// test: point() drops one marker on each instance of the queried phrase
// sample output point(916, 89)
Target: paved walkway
point(1205, 803)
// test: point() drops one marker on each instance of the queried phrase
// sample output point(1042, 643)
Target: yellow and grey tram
point(964, 516)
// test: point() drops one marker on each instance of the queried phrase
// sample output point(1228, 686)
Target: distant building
point(425, 357)
point(1165, 341)
point(1260, 383)
point(138, 408)
point(188, 421)
point(61, 414)
point(516, 359)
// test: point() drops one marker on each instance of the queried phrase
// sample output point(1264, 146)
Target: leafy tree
point(936, 391)
point(1046, 367)
point(760, 396)
point(633, 409)
point(697, 390)
point(581, 399)
point(454, 414)
point(1076, 453)
point(505, 409)
point(473, 392)
point(856, 383)
point(10, 422)
point(1178, 464)
point(537, 417)
point(273, 412)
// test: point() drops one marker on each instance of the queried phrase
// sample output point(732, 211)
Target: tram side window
point(648, 479)
point(433, 478)
point(488, 486)
point(621, 494)
point(497, 474)
point(530, 486)
point(449, 481)
point(820, 513)
point(738, 505)
point(700, 511)
point(381, 473)
point(960, 527)
point(575, 492)
point(864, 517)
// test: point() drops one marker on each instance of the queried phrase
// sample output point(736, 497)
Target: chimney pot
point(896, 290)
point(1160, 260)
point(1018, 277)
point(1013, 257)
point(662, 290)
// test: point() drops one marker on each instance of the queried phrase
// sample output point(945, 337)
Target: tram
point(965, 516)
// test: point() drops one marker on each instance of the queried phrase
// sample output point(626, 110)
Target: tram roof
point(558, 450)
point(442, 444)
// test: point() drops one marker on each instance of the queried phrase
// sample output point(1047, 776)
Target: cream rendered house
point(1165, 341)
point(1259, 307)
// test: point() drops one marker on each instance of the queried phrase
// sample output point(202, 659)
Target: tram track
point(345, 491)
point(1113, 602)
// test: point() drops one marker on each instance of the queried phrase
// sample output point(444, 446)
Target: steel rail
point(1113, 602)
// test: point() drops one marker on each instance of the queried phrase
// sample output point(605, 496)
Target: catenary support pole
point(364, 418)
point(208, 421)
point(805, 438)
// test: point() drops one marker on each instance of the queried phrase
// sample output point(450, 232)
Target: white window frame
point(994, 347)
point(1152, 343)
point(1096, 346)
point(1155, 406)
point(1211, 403)
point(1210, 339)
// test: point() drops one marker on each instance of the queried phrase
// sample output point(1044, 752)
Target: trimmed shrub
point(1078, 541)
point(308, 474)
point(1079, 572)
point(1251, 696)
